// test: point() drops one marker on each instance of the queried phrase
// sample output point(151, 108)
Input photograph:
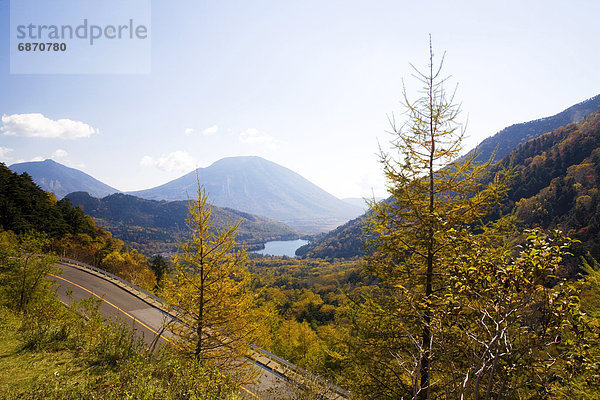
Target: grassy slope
point(77, 373)
point(22, 370)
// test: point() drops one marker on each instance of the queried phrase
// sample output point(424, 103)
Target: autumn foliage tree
point(211, 292)
point(23, 268)
point(131, 266)
point(513, 325)
point(408, 235)
point(453, 315)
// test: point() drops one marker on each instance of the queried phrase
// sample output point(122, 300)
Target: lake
point(282, 247)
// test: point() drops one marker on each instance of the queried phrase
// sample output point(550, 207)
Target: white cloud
point(38, 158)
point(37, 125)
point(211, 130)
point(253, 136)
point(147, 161)
point(177, 161)
point(4, 151)
point(60, 153)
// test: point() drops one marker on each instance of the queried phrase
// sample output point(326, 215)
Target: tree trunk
point(200, 326)
point(426, 339)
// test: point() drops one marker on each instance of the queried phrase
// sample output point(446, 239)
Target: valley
point(154, 227)
point(312, 293)
point(300, 200)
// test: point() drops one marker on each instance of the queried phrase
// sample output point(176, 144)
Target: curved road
point(117, 303)
point(146, 320)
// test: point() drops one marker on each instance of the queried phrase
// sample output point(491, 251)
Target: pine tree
point(160, 267)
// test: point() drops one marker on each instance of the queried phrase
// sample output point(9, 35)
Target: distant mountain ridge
point(510, 137)
point(567, 150)
point(261, 187)
point(249, 184)
point(62, 180)
point(156, 226)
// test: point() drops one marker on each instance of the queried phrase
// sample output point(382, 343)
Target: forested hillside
point(556, 182)
point(505, 141)
point(345, 241)
point(555, 185)
point(157, 226)
point(26, 211)
point(24, 207)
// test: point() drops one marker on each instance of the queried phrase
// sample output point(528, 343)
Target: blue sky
point(306, 84)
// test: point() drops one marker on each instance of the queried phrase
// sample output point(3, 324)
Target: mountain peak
point(61, 180)
point(240, 160)
point(258, 186)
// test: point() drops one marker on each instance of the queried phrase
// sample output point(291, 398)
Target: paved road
point(117, 303)
point(147, 321)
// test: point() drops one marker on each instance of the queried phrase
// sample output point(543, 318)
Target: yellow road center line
point(111, 304)
point(133, 318)
point(248, 390)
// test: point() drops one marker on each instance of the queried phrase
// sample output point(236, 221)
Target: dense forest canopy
point(24, 206)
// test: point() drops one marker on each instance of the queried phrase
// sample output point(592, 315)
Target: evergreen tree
point(160, 267)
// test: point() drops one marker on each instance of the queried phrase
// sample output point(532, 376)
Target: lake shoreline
point(281, 248)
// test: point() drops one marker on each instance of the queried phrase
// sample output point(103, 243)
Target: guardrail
point(143, 294)
point(340, 393)
point(162, 305)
